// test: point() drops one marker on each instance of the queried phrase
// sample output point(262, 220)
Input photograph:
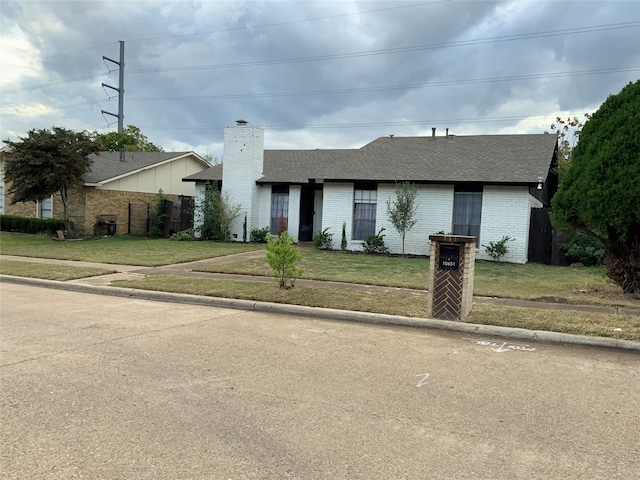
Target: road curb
point(332, 314)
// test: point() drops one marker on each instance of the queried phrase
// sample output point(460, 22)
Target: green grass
point(125, 250)
point(48, 271)
point(573, 322)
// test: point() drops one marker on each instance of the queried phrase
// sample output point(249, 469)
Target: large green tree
point(600, 191)
point(46, 162)
point(131, 139)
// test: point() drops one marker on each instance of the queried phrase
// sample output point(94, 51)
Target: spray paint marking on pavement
point(423, 381)
point(501, 347)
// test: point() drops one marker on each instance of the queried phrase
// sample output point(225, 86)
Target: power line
point(253, 27)
point(461, 43)
point(362, 125)
point(291, 22)
point(472, 81)
point(392, 87)
point(481, 41)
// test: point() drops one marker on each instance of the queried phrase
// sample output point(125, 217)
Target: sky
point(314, 74)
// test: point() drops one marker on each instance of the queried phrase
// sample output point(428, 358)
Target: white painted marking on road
point(501, 347)
point(423, 381)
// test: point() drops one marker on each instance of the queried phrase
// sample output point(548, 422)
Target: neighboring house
point(483, 185)
point(112, 187)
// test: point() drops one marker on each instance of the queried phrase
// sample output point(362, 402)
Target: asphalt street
point(104, 387)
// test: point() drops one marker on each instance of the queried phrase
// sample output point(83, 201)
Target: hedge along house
point(482, 185)
point(111, 187)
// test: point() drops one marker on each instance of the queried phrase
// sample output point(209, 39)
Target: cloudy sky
point(315, 74)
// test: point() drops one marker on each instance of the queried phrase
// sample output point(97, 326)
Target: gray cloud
point(68, 40)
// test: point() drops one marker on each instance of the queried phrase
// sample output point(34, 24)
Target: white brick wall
point(506, 211)
point(197, 213)
point(337, 207)
point(243, 158)
point(293, 222)
point(433, 213)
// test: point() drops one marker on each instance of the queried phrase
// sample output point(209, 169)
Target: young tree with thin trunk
point(46, 162)
point(402, 210)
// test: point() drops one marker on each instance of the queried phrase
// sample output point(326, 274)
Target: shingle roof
point(206, 175)
point(507, 159)
point(107, 165)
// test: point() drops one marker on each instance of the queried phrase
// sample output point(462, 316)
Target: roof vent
point(433, 132)
point(241, 122)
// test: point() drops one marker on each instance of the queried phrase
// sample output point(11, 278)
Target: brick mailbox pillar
point(451, 276)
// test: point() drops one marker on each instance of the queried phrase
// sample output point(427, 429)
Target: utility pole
point(120, 90)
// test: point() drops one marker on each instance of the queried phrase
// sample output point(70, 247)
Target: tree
point(131, 139)
point(46, 162)
point(402, 211)
point(600, 192)
point(282, 256)
point(568, 132)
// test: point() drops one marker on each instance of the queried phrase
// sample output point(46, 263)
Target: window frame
point(471, 196)
point(365, 209)
point(42, 203)
point(279, 200)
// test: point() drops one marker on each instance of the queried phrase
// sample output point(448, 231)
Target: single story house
point(112, 187)
point(480, 185)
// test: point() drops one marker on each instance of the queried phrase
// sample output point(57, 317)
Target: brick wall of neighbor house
point(337, 207)
point(77, 208)
point(506, 211)
point(433, 214)
point(29, 209)
point(243, 159)
point(112, 202)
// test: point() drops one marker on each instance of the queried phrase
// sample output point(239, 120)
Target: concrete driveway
point(104, 387)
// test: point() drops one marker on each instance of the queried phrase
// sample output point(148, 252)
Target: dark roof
point(107, 165)
point(207, 175)
point(503, 159)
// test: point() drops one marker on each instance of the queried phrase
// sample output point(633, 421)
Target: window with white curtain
point(365, 198)
point(279, 207)
point(467, 211)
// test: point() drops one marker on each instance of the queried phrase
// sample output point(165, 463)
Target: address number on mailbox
point(449, 257)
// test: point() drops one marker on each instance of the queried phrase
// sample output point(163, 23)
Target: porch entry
point(310, 211)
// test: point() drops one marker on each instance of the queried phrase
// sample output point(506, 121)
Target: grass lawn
point(49, 272)
point(531, 281)
point(573, 322)
point(125, 250)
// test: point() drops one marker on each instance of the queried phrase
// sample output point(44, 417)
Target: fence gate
point(179, 215)
point(544, 241)
point(138, 219)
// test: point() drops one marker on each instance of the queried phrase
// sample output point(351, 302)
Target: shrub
point(217, 214)
point(260, 235)
point(343, 242)
point(184, 236)
point(499, 249)
point(282, 256)
point(157, 216)
point(584, 249)
point(323, 240)
point(244, 229)
point(12, 223)
point(375, 243)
